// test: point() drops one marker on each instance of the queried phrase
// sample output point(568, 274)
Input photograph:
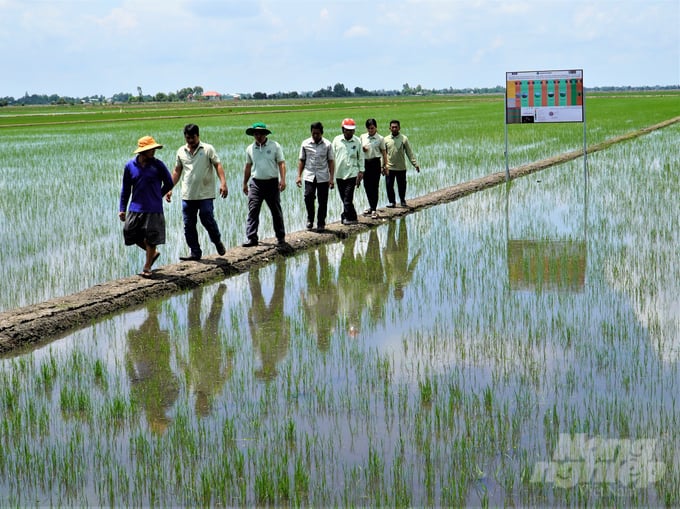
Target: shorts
point(144, 226)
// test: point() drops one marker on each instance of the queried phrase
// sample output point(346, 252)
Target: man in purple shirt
point(145, 181)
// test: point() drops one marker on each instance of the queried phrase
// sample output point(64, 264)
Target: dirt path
point(43, 322)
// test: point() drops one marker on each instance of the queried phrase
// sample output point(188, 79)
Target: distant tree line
point(338, 90)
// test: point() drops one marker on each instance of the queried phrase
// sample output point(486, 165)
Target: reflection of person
point(269, 328)
point(374, 275)
point(351, 287)
point(145, 181)
point(316, 166)
point(267, 167)
point(194, 164)
point(320, 303)
point(373, 145)
point(349, 168)
point(398, 269)
point(152, 382)
point(207, 372)
point(398, 148)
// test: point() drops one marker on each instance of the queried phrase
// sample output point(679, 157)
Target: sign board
point(544, 96)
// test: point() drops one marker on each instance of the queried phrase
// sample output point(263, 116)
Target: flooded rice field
point(516, 347)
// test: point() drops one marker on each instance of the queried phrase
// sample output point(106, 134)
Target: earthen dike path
point(39, 323)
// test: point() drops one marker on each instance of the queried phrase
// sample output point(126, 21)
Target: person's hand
point(121, 216)
point(224, 192)
point(168, 197)
point(331, 185)
point(298, 181)
point(417, 169)
point(245, 188)
point(282, 185)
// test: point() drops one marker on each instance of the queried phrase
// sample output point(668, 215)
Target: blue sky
point(91, 47)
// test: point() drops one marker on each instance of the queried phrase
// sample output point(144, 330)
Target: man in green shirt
point(349, 168)
point(398, 148)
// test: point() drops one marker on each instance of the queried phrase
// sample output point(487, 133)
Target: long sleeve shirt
point(349, 157)
point(144, 186)
point(398, 148)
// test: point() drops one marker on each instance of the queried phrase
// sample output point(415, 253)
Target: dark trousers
point(192, 210)
point(346, 190)
point(400, 177)
point(372, 181)
point(266, 191)
point(312, 189)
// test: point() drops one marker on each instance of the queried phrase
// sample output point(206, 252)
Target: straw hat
point(146, 143)
point(257, 127)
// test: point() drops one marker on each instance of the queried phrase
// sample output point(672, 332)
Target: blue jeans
point(203, 209)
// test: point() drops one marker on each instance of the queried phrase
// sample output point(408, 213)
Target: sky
point(79, 48)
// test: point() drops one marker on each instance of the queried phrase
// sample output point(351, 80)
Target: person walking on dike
point(316, 165)
point(373, 146)
point(194, 164)
point(398, 148)
point(267, 167)
point(349, 168)
point(145, 181)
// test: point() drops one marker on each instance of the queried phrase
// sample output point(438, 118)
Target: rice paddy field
point(516, 347)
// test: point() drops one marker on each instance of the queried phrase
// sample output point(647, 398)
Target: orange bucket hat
point(146, 143)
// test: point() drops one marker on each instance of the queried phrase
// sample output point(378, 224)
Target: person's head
point(191, 135)
point(317, 131)
point(146, 147)
point(348, 128)
point(258, 131)
point(371, 126)
point(395, 127)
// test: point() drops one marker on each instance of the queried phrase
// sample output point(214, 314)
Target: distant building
point(211, 95)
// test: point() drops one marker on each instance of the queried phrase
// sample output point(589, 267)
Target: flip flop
point(153, 260)
point(146, 274)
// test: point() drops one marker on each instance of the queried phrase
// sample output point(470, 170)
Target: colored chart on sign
point(544, 96)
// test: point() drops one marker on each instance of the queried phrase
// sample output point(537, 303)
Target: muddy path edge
point(40, 323)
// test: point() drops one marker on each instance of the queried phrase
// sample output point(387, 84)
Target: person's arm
point(301, 166)
point(224, 191)
point(360, 165)
point(383, 151)
point(246, 176)
point(409, 153)
point(125, 192)
point(331, 165)
point(176, 175)
point(282, 175)
point(331, 171)
point(166, 180)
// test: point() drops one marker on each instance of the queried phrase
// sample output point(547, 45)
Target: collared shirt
point(375, 144)
point(349, 158)
point(316, 157)
point(198, 171)
point(265, 159)
point(398, 148)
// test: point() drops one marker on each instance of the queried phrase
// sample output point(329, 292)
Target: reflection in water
point(547, 264)
point(269, 327)
point(362, 284)
point(351, 288)
point(320, 304)
point(397, 266)
point(207, 372)
point(153, 383)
